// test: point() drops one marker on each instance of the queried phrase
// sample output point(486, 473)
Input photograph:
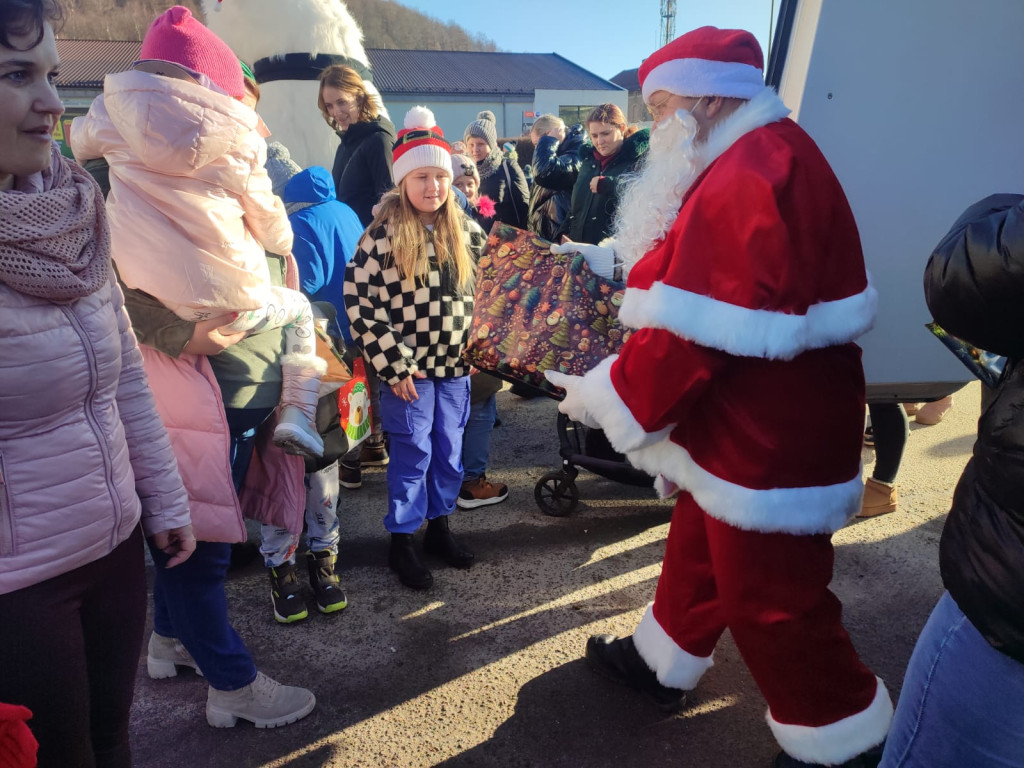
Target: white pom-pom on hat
point(419, 117)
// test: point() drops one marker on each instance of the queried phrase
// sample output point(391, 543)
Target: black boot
point(330, 597)
point(869, 759)
point(405, 561)
point(439, 541)
point(616, 658)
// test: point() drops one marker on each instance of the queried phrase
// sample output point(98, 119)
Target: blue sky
point(602, 36)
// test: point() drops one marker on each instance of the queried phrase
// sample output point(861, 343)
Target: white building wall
point(454, 116)
point(548, 102)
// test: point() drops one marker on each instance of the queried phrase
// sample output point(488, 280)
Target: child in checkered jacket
point(409, 297)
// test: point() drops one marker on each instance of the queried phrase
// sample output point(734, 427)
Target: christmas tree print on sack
point(537, 311)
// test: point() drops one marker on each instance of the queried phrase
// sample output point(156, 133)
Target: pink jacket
point(190, 406)
point(83, 455)
point(191, 206)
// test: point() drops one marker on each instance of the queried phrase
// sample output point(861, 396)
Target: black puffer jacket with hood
point(974, 285)
point(555, 168)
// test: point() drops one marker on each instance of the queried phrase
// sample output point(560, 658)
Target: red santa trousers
point(771, 591)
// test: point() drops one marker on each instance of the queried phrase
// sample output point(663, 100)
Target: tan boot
point(263, 702)
point(932, 413)
point(879, 499)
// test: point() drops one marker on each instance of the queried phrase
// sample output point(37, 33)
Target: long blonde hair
point(409, 238)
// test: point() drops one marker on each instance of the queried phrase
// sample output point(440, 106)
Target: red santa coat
point(742, 383)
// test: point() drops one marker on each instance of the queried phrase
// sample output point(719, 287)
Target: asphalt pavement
point(486, 668)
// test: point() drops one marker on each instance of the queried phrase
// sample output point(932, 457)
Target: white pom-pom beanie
point(421, 144)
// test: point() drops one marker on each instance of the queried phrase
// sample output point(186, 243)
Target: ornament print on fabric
point(537, 311)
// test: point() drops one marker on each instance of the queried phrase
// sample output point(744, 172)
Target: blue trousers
point(189, 602)
point(425, 471)
point(476, 440)
point(962, 702)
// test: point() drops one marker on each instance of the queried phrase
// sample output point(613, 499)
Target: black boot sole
point(668, 700)
point(441, 552)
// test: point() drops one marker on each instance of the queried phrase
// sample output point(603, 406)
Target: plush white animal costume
point(288, 44)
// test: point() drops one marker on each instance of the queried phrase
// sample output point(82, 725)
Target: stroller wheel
point(556, 494)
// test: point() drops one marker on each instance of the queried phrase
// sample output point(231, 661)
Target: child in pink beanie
point(191, 206)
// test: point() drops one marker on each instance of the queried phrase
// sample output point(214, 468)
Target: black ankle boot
point(439, 541)
point(616, 658)
point(405, 561)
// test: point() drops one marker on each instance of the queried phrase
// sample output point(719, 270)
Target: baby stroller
point(580, 446)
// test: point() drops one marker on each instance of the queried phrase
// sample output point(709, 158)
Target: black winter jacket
point(974, 285)
point(555, 168)
point(362, 166)
point(511, 202)
point(592, 214)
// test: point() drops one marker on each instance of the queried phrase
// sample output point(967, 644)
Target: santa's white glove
point(573, 405)
point(600, 258)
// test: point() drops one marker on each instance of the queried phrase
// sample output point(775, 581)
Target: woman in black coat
point(963, 697)
point(362, 164)
point(615, 149)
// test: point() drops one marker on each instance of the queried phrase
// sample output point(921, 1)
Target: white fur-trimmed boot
point(300, 390)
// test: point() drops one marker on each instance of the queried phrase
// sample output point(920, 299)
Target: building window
point(574, 114)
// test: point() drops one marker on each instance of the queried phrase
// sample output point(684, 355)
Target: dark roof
point(628, 79)
point(478, 72)
point(85, 62)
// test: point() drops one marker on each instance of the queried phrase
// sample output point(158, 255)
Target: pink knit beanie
point(178, 37)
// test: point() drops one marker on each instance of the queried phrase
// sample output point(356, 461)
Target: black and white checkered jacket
point(404, 327)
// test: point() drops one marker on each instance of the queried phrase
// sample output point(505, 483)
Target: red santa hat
point(178, 37)
point(421, 144)
point(706, 62)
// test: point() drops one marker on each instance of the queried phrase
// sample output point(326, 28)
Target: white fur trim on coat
point(604, 403)
point(674, 667)
point(704, 77)
point(801, 510)
point(837, 742)
point(749, 332)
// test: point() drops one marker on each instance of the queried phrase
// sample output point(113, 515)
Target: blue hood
point(313, 185)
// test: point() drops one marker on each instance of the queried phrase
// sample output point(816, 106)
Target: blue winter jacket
point(326, 235)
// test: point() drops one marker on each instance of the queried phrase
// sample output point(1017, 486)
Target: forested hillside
point(385, 23)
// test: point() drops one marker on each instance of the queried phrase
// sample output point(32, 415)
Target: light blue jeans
point(278, 544)
point(962, 704)
point(476, 440)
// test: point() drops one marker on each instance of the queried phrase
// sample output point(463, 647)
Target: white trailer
point(919, 107)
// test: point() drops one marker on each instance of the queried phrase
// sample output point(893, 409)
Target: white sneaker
point(165, 655)
point(295, 434)
point(263, 702)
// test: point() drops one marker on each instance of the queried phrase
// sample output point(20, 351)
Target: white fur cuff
point(674, 667)
point(837, 742)
point(624, 432)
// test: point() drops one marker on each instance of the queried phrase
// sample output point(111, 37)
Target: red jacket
point(742, 384)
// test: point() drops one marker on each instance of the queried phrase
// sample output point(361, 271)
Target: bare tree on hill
point(385, 23)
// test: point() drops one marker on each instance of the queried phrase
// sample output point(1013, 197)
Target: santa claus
point(287, 45)
point(746, 287)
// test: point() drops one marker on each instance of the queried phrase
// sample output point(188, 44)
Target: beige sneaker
point(165, 655)
point(263, 702)
point(879, 499)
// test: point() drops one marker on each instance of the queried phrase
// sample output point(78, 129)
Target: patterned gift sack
point(536, 311)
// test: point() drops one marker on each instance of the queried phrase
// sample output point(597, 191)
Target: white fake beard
point(649, 201)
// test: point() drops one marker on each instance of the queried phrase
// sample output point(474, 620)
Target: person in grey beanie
point(501, 178)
